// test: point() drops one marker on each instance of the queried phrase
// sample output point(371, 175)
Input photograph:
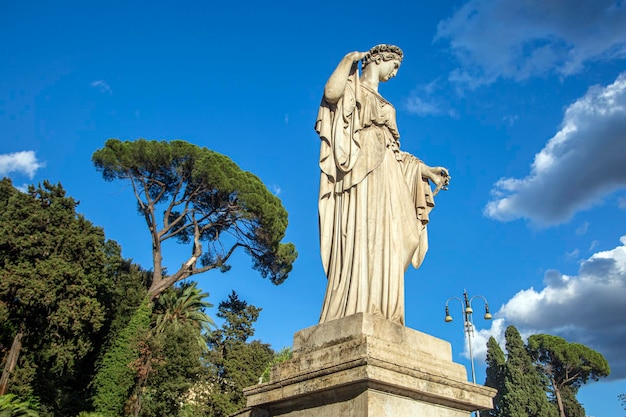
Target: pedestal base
point(363, 365)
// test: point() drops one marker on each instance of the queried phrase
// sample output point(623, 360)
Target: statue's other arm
point(336, 84)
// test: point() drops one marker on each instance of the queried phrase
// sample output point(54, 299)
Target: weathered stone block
point(362, 365)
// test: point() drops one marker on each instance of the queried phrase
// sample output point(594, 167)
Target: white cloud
point(580, 165)
point(24, 162)
point(588, 308)
point(102, 86)
point(425, 101)
point(422, 107)
point(481, 337)
point(518, 39)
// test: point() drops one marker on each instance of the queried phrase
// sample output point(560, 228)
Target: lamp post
point(466, 304)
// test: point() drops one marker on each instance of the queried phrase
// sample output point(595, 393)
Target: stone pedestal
point(362, 366)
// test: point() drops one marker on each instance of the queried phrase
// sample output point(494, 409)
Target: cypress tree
point(524, 390)
point(496, 362)
point(236, 363)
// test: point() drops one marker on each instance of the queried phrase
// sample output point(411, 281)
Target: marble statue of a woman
point(374, 199)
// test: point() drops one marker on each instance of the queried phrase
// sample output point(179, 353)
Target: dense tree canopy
point(81, 328)
point(63, 288)
point(541, 378)
point(205, 198)
point(174, 366)
point(173, 352)
point(233, 362)
point(118, 374)
point(523, 391)
point(496, 363)
point(567, 366)
point(184, 305)
point(157, 358)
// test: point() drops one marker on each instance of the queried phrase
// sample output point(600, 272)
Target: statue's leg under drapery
point(375, 235)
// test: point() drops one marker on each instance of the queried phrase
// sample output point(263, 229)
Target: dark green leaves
point(234, 362)
point(195, 195)
point(64, 287)
point(548, 368)
point(570, 363)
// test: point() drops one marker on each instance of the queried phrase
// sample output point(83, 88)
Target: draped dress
point(373, 206)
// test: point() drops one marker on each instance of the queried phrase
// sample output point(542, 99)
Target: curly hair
point(385, 51)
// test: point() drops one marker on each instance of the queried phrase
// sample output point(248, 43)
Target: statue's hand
point(438, 176)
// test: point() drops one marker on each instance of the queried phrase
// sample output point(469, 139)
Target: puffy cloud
point(518, 39)
point(587, 308)
point(24, 162)
point(581, 164)
point(481, 337)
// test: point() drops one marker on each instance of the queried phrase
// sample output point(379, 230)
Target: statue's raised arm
point(336, 84)
point(374, 199)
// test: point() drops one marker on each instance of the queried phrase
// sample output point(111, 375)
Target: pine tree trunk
point(559, 400)
point(11, 361)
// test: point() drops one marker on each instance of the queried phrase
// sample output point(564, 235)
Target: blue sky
point(524, 101)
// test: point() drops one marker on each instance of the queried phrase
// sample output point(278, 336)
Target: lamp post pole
point(468, 323)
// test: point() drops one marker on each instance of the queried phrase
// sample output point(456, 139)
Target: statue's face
point(388, 69)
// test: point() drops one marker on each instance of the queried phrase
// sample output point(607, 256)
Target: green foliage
point(176, 369)
point(175, 352)
point(234, 363)
point(496, 363)
point(570, 364)
point(115, 378)
point(51, 260)
point(281, 356)
point(571, 406)
point(184, 306)
point(567, 366)
point(523, 390)
point(62, 284)
point(12, 406)
point(207, 199)
point(239, 318)
point(549, 364)
point(127, 288)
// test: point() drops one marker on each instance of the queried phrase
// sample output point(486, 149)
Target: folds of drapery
point(373, 206)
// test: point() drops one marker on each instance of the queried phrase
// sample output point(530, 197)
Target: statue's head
point(383, 52)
